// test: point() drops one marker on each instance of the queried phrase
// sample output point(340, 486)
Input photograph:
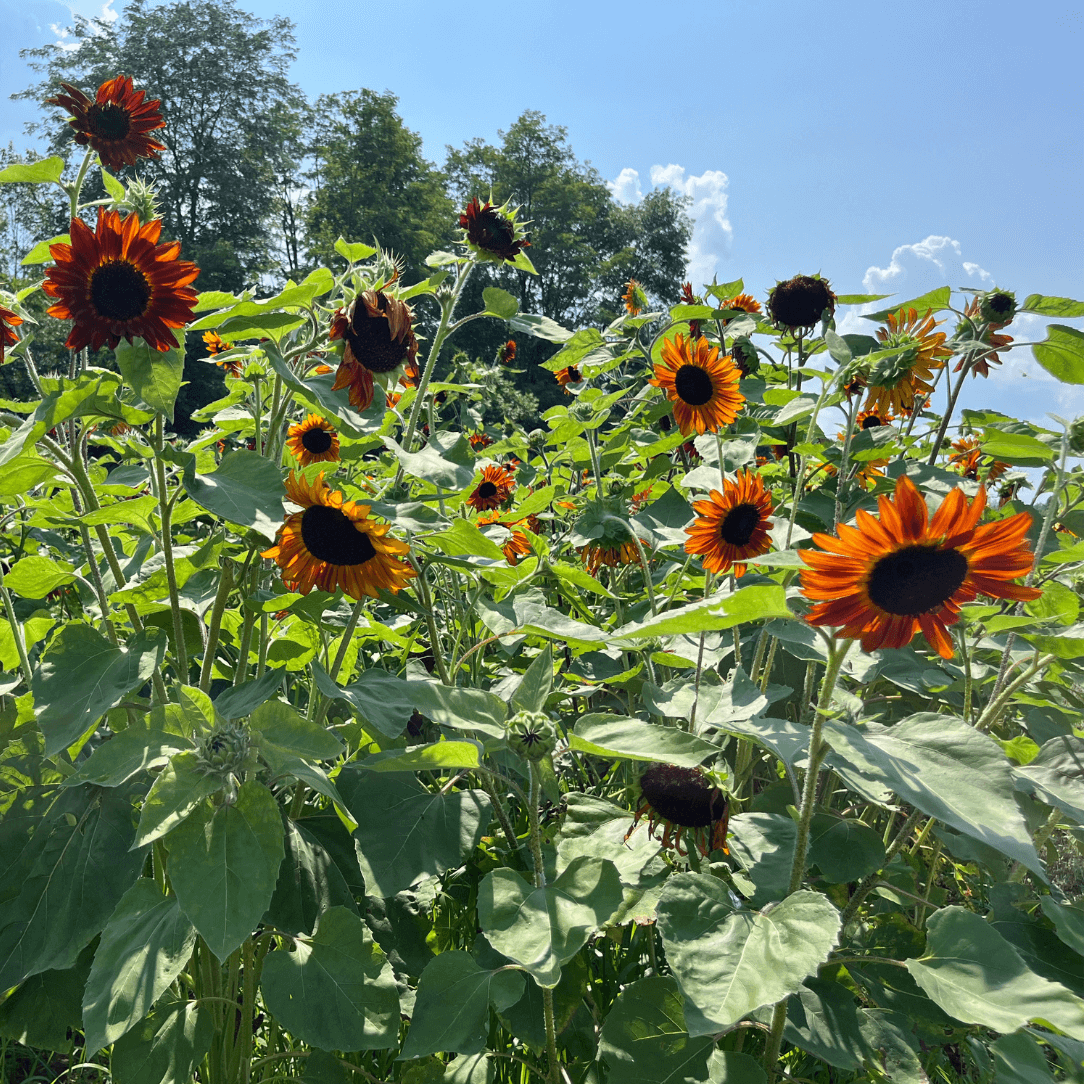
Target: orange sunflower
point(479, 440)
point(493, 490)
point(517, 545)
point(990, 338)
point(118, 283)
point(8, 321)
point(634, 298)
point(115, 123)
point(702, 386)
point(596, 554)
point(508, 352)
point(217, 345)
point(379, 335)
point(732, 526)
point(888, 578)
point(571, 375)
point(744, 302)
point(313, 441)
point(896, 382)
point(966, 459)
point(332, 543)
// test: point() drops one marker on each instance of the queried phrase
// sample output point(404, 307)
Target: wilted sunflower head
point(570, 375)
point(683, 800)
point(979, 345)
point(801, 302)
point(378, 330)
point(744, 355)
point(507, 353)
point(492, 232)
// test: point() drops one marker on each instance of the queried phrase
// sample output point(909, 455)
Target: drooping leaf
point(1018, 1059)
point(499, 303)
point(935, 300)
point(336, 990)
point(430, 466)
point(1061, 353)
point(246, 489)
point(280, 725)
point(179, 788)
point(166, 1047)
point(154, 375)
point(711, 614)
point(139, 747)
point(764, 845)
point(845, 850)
point(823, 1020)
point(240, 700)
point(635, 739)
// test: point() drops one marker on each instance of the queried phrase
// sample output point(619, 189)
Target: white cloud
point(937, 257)
point(626, 189)
point(88, 10)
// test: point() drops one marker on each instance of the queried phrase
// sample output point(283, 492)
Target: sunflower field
point(725, 729)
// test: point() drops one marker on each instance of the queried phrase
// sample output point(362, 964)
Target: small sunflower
point(332, 543)
point(888, 578)
point(966, 459)
point(732, 526)
point(596, 554)
point(118, 283)
point(896, 382)
point(684, 800)
point(987, 345)
point(872, 419)
point(634, 298)
point(640, 500)
point(702, 386)
point(493, 490)
point(517, 544)
point(508, 352)
point(491, 233)
point(217, 345)
point(115, 123)
point(8, 321)
point(571, 375)
point(479, 440)
point(800, 302)
point(744, 355)
point(313, 441)
point(855, 385)
point(744, 302)
point(411, 375)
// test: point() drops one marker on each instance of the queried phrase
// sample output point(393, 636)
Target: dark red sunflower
point(684, 800)
point(570, 375)
point(119, 283)
point(492, 233)
point(967, 459)
point(508, 352)
point(115, 123)
point(479, 440)
point(493, 490)
point(378, 331)
point(800, 302)
point(731, 527)
point(8, 321)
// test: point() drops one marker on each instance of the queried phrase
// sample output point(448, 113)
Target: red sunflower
point(731, 527)
point(493, 490)
point(8, 321)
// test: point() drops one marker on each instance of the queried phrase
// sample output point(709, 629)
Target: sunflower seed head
point(997, 307)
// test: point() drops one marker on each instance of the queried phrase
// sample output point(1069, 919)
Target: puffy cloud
point(936, 258)
point(712, 231)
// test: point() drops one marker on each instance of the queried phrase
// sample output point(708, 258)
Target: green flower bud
point(997, 307)
point(1076, 436)
point(224, 751)
point(531, 735)
point(536, 438)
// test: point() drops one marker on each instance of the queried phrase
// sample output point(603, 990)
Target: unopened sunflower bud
point(531, 735)
point(581, 411)
point(536, 438)
point(140, 198)
point(224, 751)
point(1076, 436)
point(997, 307)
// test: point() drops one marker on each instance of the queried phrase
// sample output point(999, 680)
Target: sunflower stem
point(868, 885)
point(225, 585)
point(799, 481)
point(596, 470)
point(842, 482)
point(16, 632)
point(953, 395)
point(166, 514)
point(77, 186)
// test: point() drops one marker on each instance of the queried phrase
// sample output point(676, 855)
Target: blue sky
point(890, 146)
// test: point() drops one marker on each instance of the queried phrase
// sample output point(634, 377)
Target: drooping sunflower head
point(115, 122)
point(570, 375)
point(890, 577)
point(732, 527)
point(981, 349)
point(687, 295)
point(313, 441)
point(702, 385)
point(493, 490)
point(683, 801)
point(8, 322)
point(744, 355)
point(332, 543)
point(118, 283)
point(801, 302)
point(895, 381)
point(378, 330)
point(634, 298)
point(492, 232)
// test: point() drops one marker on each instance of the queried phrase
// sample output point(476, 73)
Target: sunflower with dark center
point(571, 375)
point(378, 331)
point(743, 302)
point(896, 382)
point(702, 385)
point(634, 298)
point(332, 543)
point(118, 283)
point(479, 440)
point(115, 123)
point(732, 527)
point(983, 350)
point(888, 578)
point(872, 419)
point(493, 490)
point(8, 321)
point(967, 456)
point(313, 441)
point(508, 352)
point(800, 302)
point(491, 233)
point(596, 554)
point(217, 345)
point(683, 801)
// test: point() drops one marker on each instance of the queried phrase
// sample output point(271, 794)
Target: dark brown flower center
point(740, 523)
point(487, 490)
point(800, 301)
point(872, 422)
point(1000, 303)
point(316, 440)
point(574, 376)
point(109, 121)
point(916, 579)
point(371, 341)
point(693, 385)
point(119, 291)
point(330, 535)
point(682, 796)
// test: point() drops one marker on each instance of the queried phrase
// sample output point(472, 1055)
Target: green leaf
point(439, 756)
point(948, 770)
point(166, 1047)
point(644, 1040)
point(1016, 448)
point(240, 700)
point(24, 473)
point(799, 407)
point(1056, 775)
point(179, 788)
point(35, 577)
point(112, 185)
point(1061, 353)
point(154, 375)
point(47, 1008)
point(405, 832)
point(247, 490)
point(975, 975)
point(280, 725)
point(430, 466)
point(859, 299)
point(1018, 1059)
point(144, 947)
point(40, 252)
point(41, 172)
point(464, 539)
point(1068, 920)
point(759, 603)
point(499, 303)
point(354, 251)
point(845, 850)
point(335, 990)
point(729, 962)
point(223, 865)
point(822, 1019)
point(543, 928)
point(541, 327)
point(451, 1013)
point(635, 739)
point(935, 300)
point(764, 845)
point(531, 693)
point(139, 747)
point(1063, 307)
point(82, 675)
point(1057, 602)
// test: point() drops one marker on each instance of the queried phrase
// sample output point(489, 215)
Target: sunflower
point(357, 380)
point(313, 441)
point(689, 298)
point(493, 490)
point(744, 302)
point(683, 800)
point(479, 440)
point(571, 375)
point(217, 345)
point(596, 554)
point(966, 459)
point(854, 385)
point(507, 352)
point(640, 500)
point(896, 382)
point(634, 298)
point(872, 419)
point(378, 331)
point(744, 355)
point(332, 543)
point(888, 578)
point(491, 233)
point(517, 545)
point(411, 375)
point(989, 342)
point(732, 526)
point(800, 302)
point(702, 386)
point(115, 123)
point(8, 321)
point(119, 283)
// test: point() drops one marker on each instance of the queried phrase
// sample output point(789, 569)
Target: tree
point(371, 180)
point(231, 132)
